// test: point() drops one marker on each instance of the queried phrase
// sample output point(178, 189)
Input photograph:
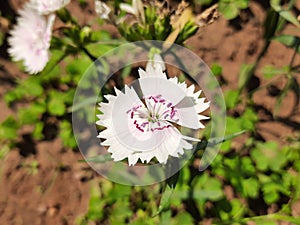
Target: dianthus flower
point(148, 127)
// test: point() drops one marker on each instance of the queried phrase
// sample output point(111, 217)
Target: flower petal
point(160, 86)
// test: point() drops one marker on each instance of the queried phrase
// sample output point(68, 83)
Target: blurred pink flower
point(30, 39)
point(45, 7)
point(102, 9)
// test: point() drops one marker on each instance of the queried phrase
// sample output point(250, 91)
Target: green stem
point(92, 57)
point(294, 55)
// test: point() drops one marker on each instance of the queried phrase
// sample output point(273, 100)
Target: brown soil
point(57, 192)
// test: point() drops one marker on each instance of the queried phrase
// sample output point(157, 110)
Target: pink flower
point(30, 39)
point(45, 7)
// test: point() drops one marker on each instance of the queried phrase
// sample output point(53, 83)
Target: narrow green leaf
point(245, 75)
point(289, 41)
point(165, 200)
point(286, 14)
point(282, 96)
point(270, 71)
point(270, 24)
point(216, 141)
point(289, 17)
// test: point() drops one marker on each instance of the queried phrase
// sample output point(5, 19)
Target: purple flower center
point(156, 114)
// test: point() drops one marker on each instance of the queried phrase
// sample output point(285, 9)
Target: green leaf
point(270, 71)
point(231, 98)
point(8, 129)
point(250, 187)
point(216, 69)
point(38, 131)
point(228, 9)
point(270, 24)
point(248, 167)
point(268, 156)
point(101, 35)
point(66, 134)
point(245, 74)
point(238, 209)
point(165, 200)
point(120, 211)
point(207, 188)
point(10, 97)
point(183, 218)
point(249, 119)
point(165, 218)
point(242, 4)
point(65, 16)
point(189, 29)
point(289, 41)
point(171, 166)
point(289, 17)
point(270, 192)
point(119, 191)
point(77, 66)
point(32, 87)
point(263, 221)
point(233, 125)
point(99, 49)
point(275, 4)
point(55, 104)
point(31, 114)
point(96, 204)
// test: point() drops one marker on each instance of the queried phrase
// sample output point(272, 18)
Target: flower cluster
point(150, 20)
point(30, 37)
point(148, 127)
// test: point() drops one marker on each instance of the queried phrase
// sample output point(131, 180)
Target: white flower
point(144, 129)
point(45, 7)
point(136, 9)
point(102, 9)
point(30, 39)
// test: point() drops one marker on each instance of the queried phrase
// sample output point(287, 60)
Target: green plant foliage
point(270, 71)
point(216, 69)
point(286, 14)
point(8, 129)
point(268, 156)
point(246, 172)
point(231, 98)
point(207, 188)
point(66, 134)
point(245, 74)
point(231, 8)
point(289, 41)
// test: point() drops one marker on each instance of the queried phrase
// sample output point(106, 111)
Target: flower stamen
point(155, 114)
